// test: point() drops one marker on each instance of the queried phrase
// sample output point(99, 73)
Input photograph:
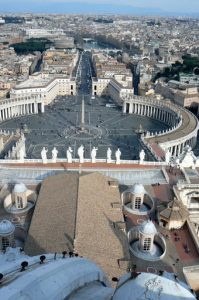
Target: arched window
point(147, 244)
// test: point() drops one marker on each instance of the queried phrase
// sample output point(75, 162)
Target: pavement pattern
point(105, 127)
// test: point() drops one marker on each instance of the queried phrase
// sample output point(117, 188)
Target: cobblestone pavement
point(105, 127)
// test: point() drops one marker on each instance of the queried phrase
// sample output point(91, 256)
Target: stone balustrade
point(98, 161)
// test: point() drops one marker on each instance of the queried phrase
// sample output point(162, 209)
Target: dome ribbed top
point(19, 188)
point(6, 228)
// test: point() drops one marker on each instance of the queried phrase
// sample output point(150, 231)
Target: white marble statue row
point(80, 152)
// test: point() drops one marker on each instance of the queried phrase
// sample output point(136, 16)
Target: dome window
point(147, 244)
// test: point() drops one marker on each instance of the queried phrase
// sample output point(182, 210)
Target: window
point(71, 87)
point(95, 87)
point(19, 202)
point(137, 203)
point(5, 243)
point(147, 244)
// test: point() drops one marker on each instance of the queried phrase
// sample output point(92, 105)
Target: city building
point(45, 86)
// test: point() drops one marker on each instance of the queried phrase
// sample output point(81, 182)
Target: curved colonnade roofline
point(183, 125)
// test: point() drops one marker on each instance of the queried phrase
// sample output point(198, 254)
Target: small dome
point(147, 227)
point(19, 188)
point(137, 188)
point(6, 228)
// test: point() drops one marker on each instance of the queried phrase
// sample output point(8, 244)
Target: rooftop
point(56, 231)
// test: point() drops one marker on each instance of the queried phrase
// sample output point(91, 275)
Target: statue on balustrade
point(80, 153)
point(167, 156)
point(93, 154)
point(142, 156)
point(117, 156)
point(54, 155)
point(109, 153)
point(21, 154)
point(69, 152)
point(44, 155)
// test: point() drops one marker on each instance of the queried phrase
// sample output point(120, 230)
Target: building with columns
point(21, 105)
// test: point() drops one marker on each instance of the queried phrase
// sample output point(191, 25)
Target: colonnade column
point(124, 108)
point(130, 108)
point(42, 107)
point(35, 108)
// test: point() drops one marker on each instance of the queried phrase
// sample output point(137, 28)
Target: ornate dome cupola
point(136, 193)
point(137, 201)
point(147, 232)
point(20, 195)
point(6, 235)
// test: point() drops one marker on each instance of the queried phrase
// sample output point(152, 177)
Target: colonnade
point(12, 109)
point(159, 113)
point(170, 114)
point(176, 150)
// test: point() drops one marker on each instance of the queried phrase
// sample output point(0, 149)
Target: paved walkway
point(125, 174)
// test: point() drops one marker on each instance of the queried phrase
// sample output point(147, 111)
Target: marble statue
point(187, 158)
point(93, 154)
point(21, 155)
point(69, 152)
point(117, 156)
point(44, 155)
point(142, 156)
point(167, 156)
point(54, 155)
point(80, 153)
point(1, 143)
point(13, 152)
point(109, 153)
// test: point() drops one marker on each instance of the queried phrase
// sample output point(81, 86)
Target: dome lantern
point(136, 194)
point(147, 233)
point(6, 234)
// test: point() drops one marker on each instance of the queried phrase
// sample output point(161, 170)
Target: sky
point(78, 6)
